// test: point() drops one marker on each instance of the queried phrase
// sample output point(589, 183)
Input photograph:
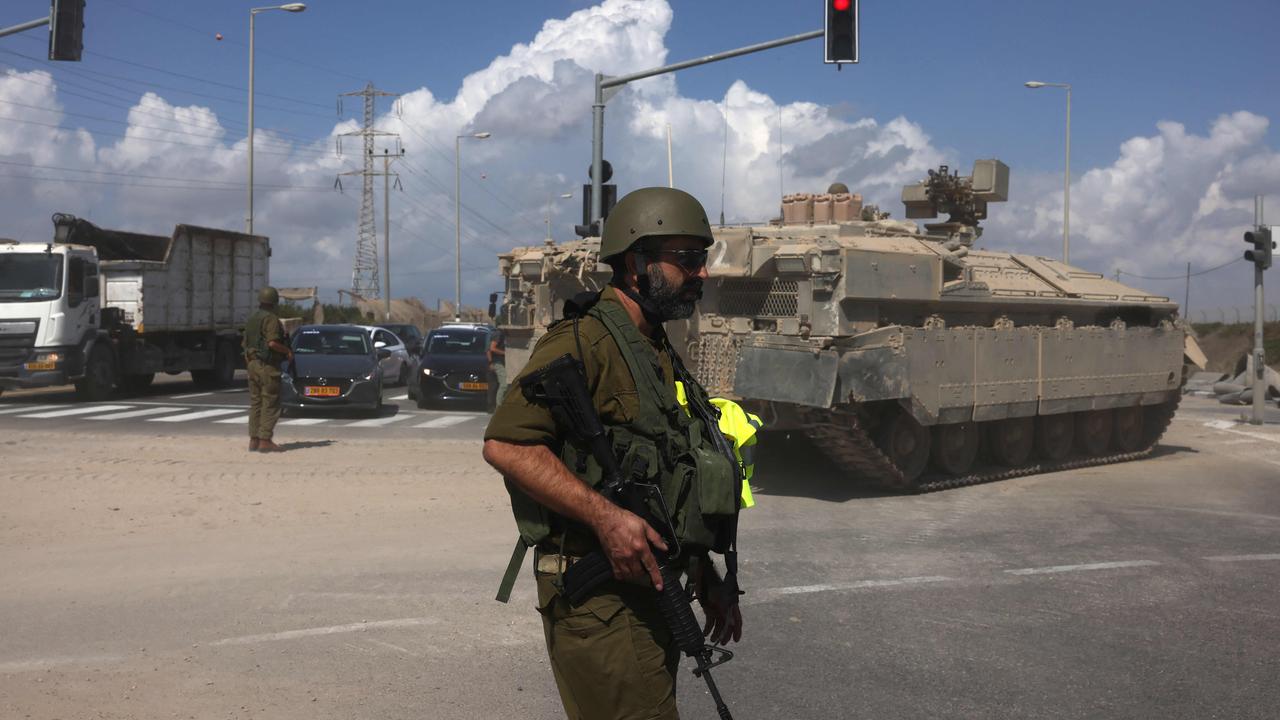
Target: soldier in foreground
point(612, 653)
point(264, 349)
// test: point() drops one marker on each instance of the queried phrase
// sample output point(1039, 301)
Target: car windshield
point(457, 342)
point(30, 276)
point(404, 331)
point(324, 341)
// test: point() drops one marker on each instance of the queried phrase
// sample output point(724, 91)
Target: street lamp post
point(563, 196)
point(457, 218)
point(253, 13)
point(1066, 182)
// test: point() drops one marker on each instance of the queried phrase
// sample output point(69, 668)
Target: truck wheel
point(99, 376)
point(224, 365)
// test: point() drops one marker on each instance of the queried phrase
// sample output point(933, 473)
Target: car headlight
point(427, 372)
point(49, 357)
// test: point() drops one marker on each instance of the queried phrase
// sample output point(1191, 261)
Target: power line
point(116, 183)
point(122, 135)
point(234, 185)
point(1183, 276)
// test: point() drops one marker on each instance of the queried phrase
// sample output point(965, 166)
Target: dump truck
point(106, 310)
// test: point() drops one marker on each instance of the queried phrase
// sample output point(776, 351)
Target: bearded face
point(674, 292)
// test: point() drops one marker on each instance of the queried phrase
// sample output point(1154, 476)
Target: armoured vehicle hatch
point(906, 355)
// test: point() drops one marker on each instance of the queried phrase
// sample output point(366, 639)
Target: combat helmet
point(269, 296)
point(653, 212)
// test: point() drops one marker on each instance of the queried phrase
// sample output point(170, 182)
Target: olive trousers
point(264, 399)
point(612, 656)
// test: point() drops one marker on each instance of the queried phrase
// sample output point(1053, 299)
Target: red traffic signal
point(840, 31)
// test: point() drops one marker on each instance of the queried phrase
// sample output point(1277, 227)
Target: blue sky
point(952, 72)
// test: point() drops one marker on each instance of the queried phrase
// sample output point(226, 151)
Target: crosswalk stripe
point(233, 421)
point(443, 422)
point(378, 422)
point(77, 411)
point(191, 395)
point(136, 413)
point(195, 415)
point(401, 397)
point(304, 421)
point(26, 408)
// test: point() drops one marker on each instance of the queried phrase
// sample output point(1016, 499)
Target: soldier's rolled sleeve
point(272, 329)
point(519, 421)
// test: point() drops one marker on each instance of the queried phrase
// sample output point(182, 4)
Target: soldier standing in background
point(264, 349)
point(498, 365)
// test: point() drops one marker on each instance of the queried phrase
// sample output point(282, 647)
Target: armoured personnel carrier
point(909, 357)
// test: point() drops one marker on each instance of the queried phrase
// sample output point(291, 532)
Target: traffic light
point(66, 29)
point(841, 31)
point(1262, 244)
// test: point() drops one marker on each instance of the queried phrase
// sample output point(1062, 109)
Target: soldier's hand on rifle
point(720, 606)
point(626, 539)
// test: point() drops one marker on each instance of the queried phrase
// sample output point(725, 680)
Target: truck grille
point(758, 297)
point(17, 338)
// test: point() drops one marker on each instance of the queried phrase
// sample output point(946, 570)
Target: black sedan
point(334, 366)
point(453, 367)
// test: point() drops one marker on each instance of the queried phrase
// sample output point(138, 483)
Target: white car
point(395, 367)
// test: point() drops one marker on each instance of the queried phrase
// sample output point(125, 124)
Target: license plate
point(475, 386)
point(321, 391)
point(42, 366)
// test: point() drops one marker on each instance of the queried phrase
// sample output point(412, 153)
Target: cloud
point(1168, 197)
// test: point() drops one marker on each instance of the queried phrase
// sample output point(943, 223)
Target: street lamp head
point(1034, 84)
point(566, 195)
point(293, 7)
point(481, 135)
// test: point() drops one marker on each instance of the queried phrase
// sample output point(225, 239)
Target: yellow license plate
point(321, 391)
point(475, 386)
point(42, 366)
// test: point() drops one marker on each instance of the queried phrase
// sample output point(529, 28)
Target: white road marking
point(1241, 441)
point(187, 417)
point(85, 410)
point(331, 630)
point(304, 421)
point(401, 397)
point(1243, 558)
point(136, 413)
point(443, 422)
point(233, 390)
point(44, 663)
point(184, 397)
point(1079, 568)
point(377, 422)
point(1228, 426)
point(26, 408)
point(234, 420)
point(774, 593)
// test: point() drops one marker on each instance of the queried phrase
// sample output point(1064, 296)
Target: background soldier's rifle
point(562, 387)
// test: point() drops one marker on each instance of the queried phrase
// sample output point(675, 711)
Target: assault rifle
point(561, 386)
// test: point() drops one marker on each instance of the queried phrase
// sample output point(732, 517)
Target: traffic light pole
point(1259, 354)
point(607, 87)
point(24, 26)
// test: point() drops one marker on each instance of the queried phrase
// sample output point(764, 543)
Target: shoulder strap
point(630, 344)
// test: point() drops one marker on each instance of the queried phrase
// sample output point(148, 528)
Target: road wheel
point(1011, 440)
point(955, 447)
point(1054, 434)
point(1128, 428)
point(403, 379)
point(99, 376)
point(906, 443)
point(224, 365)
point(1093, 431)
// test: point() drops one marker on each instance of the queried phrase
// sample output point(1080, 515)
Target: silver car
point(395, 366)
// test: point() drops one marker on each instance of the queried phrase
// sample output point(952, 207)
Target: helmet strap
point(642, 298)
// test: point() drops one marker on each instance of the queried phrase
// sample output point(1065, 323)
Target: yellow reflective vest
point(740, 427)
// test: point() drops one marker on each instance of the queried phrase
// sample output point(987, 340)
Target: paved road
point(210, 588)
point(175, 406)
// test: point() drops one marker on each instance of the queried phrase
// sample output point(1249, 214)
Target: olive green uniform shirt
point(265, 325)
point(612, 388)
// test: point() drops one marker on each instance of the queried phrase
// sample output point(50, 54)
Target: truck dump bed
point(197, 279)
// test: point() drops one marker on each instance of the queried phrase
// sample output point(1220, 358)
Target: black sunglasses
point(691, 261)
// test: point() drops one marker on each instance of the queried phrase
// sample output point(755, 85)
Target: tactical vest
point(255, 343)
point(662, 443)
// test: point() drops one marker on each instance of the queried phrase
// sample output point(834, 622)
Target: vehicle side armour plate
point(878, 373)
point(802, 377)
